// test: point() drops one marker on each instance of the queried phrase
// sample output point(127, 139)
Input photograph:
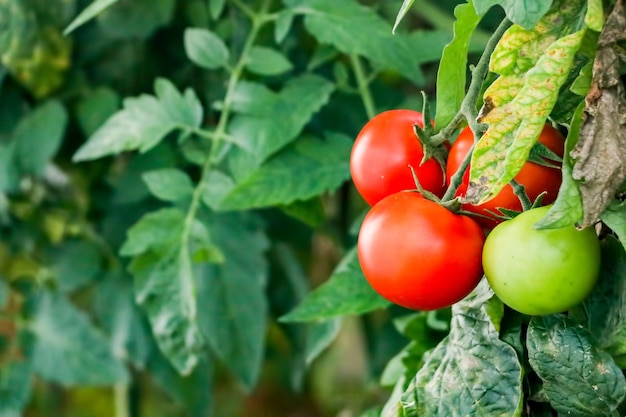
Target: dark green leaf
point(169, 184)
point(232, 308)
point(143, 122)
point(322, 54)
point(302, 171)
point(346, 292)
point(96, 108)
point(525, 14)
point(135, 18)
point(471, 372)
point(309, 211)
point(74, 264)
point(205, 49)
point(94, 9)
point(579, 379)
point(267, 61)
point(69, 349)
point(216, 7)
point(603, 313)
point(38, 137)
point(319, 336)
point(451, 76)
point(16, 381)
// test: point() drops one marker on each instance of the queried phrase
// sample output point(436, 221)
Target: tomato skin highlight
point(535, 178)
point(383, 152)
point(540, 272)
point(418, 254)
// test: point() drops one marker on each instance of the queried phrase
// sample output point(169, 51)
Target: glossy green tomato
point(418, 254)
point(540, 272)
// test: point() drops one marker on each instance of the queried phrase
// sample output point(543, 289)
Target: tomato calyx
point(453, 205)
point(432, 148)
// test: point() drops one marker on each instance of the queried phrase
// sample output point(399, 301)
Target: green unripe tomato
point(540, 272)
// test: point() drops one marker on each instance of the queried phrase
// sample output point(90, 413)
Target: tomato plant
point(535, 178)
point(384, 152)
point(541, 271)
point(418, 254)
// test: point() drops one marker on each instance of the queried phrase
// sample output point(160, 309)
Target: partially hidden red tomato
point(418, 254)
point(535, 178)
point(384, 152)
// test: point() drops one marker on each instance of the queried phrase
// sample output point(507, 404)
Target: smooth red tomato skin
point(419, 255)
point(535, 178)
point(383, 152)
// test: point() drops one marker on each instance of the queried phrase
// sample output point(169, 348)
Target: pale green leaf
point(94, 9)
point(284, 20)
point(68, 348)
point(169, 184)
point(594, 18)
point(205, 49)
point(404, 9)
point(267, 61)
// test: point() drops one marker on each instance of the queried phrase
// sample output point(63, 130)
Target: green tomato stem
point(520, 192)
point(457, 178)
point(363, 86)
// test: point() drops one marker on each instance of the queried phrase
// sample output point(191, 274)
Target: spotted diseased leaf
point(515, 126)
point(601, 150)
point(579, 379)
point(471, 371)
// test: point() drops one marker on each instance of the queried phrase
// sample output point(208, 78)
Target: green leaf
point(526, 14)
point(68, 349)
point(319, 336)
point(284, 20)
point(16, 382)
point(404, 9)
point(136, 19)
point(471, 372)
point(567, 209)
point(38, 137)
point(74, 263)
point(93, 110)
point(260, 136)
point(115, 308)
point(169, 184)
point(143, 122)
point(206, 49)
point(594, 18)
point(267, 61)
point(614, 216)
point(94, 9)
point(310, 212)
point(192, 392)
point(451, 76)
point(603, 313)
point(579, 379)
point(515, 126)
point(232, 307)
point(308, 168)
point(346, 292)
point(356, 29)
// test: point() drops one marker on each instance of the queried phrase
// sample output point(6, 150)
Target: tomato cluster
point(421, 255)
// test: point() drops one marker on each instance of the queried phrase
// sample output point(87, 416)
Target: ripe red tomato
point(418, 254)
point(535, 178)
point(383, 153)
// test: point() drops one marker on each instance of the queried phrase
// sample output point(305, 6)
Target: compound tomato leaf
point(143, 122)
point(232, 306)
point(578, 377)
point(69, 349)
point(515, 126)
point(309, 167)
point(526, 14)
point(567, 209)
point(451, 76)
point(346, 292)
point(471, 371)
point(205, 49)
